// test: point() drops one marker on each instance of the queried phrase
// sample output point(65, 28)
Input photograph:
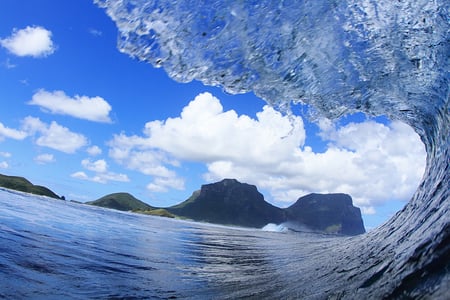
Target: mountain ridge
point(230, 202)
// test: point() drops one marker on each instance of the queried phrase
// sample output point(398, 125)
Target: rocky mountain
point(229, 202)
point(331, 213)
point(21, 184)
point(121, 201)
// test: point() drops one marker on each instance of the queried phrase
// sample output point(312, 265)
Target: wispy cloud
point(94, 109)
point(44, 158)
point(5, 154)
point(95, 32)
point(8, 64)
point(32, 41)
point(53, 135)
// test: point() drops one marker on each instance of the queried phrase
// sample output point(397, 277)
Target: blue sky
point(82, 118)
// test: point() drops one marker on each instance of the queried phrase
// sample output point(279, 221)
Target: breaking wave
point(378, 57)
point(271, 227)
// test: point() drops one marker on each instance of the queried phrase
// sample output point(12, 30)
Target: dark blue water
point(56, 249)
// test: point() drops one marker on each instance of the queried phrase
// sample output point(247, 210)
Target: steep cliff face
point(233, 203)
point(229, 202)
point(331, 213)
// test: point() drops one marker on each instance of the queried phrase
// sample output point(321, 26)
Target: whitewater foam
point(271, 227)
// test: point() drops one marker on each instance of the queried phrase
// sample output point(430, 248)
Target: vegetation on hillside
point(21, 184)
point(121, 201)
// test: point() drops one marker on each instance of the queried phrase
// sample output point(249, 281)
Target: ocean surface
point(53, 249)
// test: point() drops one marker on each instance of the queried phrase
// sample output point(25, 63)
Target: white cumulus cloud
point(80, 175)
point(99, 166)
point(94, 109)
point(373, 162)
point(94, 150)
point(32, 41)
point(100, 170)
point(102, 177)
point(53, 135)
point(162, 184)
point(205, 133)
point(6, 132)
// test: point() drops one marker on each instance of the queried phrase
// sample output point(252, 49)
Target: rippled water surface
point(53, 249)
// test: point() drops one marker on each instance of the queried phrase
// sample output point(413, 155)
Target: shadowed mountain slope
point(332, 213)
point(229, 202)
point(233, 203)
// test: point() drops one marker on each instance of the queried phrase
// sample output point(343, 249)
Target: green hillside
point(121, 201)
point(21, 184)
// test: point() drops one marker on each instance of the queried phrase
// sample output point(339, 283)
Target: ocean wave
point(271, 227)
point(378, 57)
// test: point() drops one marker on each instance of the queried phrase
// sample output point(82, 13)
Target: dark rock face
point(233, 203)
point(332, 213)
point(229, 202)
